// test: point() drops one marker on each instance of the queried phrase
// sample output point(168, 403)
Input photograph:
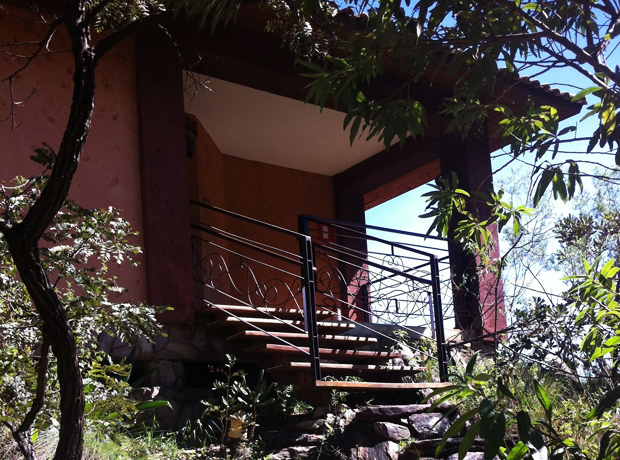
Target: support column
point(478, 294)
point(165, 187)
point(350, 207)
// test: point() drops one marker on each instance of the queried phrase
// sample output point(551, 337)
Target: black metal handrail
point(303, 260)
point(306, 277)
point(346, 258)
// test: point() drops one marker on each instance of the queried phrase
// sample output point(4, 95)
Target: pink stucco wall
point(109, 172)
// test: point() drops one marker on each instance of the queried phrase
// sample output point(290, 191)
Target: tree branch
point(92, 14)
point(42, 44)
point(39, 400)
point(109, 41)
point(580, 54)
point(578, 68)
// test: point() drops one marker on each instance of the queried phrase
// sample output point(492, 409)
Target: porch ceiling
point(256, 125)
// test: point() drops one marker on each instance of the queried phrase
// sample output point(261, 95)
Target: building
point(216, 183)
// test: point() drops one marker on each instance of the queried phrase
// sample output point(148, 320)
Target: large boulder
point(391, 413)
point(428, 426)
point(386, 450)
point(391, 431)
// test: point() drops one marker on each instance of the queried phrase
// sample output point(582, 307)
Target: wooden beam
point(386, 167)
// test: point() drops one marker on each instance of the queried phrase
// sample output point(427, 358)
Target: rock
point(296, 452)
point(178, 351)
point(470, 456)
point(215, 451)
point(201, 337)
point(391, 431)
point(341, 409)
point(294, 438)
point(345, 419)
point(145, 349)
point(427, 447)
point(425, 393)
point(387, 450)
point(428, 426)
point(309, 425)
point(180, 334)
point(161, 341)
point(168, 376)
point(391, 413)
point(321, 412)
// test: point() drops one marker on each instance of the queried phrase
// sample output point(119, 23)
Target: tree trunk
point(23, 238)
point(57, 331)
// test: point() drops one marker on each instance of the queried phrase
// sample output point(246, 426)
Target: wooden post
point(165, 184)
point(478, 296)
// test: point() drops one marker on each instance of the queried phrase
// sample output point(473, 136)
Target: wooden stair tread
point(269, 323)
point(246, 310)
point(301, 366)
point(330, 353)
point(369, 386)
point(302, 336)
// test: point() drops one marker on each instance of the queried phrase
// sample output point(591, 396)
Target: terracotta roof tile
point(538, 85)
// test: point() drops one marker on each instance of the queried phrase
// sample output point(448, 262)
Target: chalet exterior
point(250, 204)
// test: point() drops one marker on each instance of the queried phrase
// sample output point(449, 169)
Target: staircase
point(299, 314)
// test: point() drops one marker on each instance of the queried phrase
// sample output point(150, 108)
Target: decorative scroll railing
point(329, 264)
point(392, 277)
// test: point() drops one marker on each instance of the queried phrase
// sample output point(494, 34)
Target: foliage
point(287, 402)
point(496, 410)
point(238, 401)
point(592, 232)
point(81, 246)
point(463, 39)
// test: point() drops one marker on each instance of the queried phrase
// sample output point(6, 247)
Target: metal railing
point(368, 279)
point(248, 262)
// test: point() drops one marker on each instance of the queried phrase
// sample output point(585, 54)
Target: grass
point(123, 446)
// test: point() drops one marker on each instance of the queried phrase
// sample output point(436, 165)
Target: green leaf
point(492, 428)
point(584, 92)
point(472, 362)
point(537, 444)
point(608, 400)
point(545, 179)
point(604, 444)
point(524, 426)
point(543, 397)
point(468, 439)
point(518, 451)
point(455, 428)
point(504, 389)
point(147, 405)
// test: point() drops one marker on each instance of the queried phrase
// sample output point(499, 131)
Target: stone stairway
point(275, 340)
point(393, 432)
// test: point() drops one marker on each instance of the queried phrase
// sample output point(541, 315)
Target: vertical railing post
point(309, 300)
point(442, 357)
point(432, 313)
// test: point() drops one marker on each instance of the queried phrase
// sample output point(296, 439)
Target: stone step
point(335, 354)
point(426, 447)
point(296, 338)
point(333, 368)
point(398, 412)
point(272, 324)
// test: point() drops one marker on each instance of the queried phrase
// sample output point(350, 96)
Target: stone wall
point(395, 432)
